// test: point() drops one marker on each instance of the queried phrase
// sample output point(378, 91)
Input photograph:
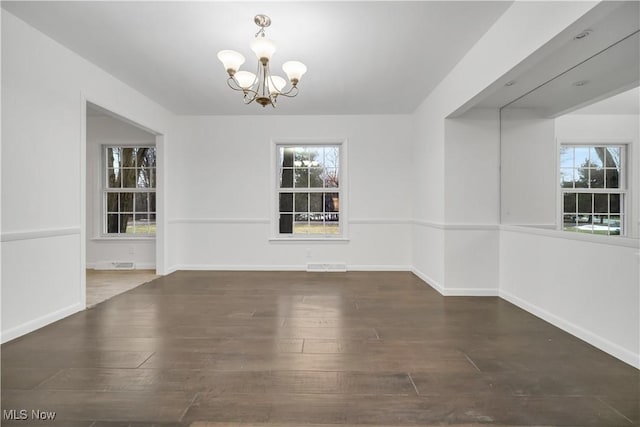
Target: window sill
point(309, 239)
point(123, 239)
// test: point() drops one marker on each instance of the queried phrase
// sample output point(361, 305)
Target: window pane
point(615, 203)
point(566, 157)
point(301, 224)
point(612, 157)
point(613, 178)
point(142, 225)
point(581, 156)
point(113, 157)
point(566, 177)
point(286, 157)
point(316, 156)
point(596, 178)
point(331, 202)
point(112, 202)
point(585, 203)
point(112, 223)
point(581, 177)
point(128, 157)
point(332, 157)
point(600, 203)
point(286, 224)
point(301, 177)
point(152, 202)
point(302, 202)
point(615, 225)
point(569, 222)
point(114, 179)
point(596, 156)
point(286, 202)
point(141, 202)
point(126, 223)
point(129, 178)
point(315, 177)
point(286, 178)
point(153, 180)
point(126, 202)
point(331, 178)
point(332, 224)
point(144, 178)
point(300, 157)
point(148, 157)
point(315, 202)
point(569, 202)
point(316, 223)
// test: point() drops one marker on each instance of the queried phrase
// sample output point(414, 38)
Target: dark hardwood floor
point(214, 349)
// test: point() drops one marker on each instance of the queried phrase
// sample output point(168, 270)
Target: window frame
point(624, 189)
point(105, 190)
point(341, 190)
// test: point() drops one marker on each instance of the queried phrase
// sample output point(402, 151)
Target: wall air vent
point(123, 265)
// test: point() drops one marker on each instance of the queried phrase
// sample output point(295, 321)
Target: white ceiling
point(627, 102)
point(607, 61)
point(363, 57)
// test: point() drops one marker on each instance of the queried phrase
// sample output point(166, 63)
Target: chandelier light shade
point(262, 87)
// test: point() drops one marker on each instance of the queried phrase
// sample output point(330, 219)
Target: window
point(309, 192)
point(129, 191)
point(593, 185)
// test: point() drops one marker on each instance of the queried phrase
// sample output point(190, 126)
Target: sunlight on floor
point(105, 284)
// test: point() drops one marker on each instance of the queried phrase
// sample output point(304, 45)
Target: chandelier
point(261, 87)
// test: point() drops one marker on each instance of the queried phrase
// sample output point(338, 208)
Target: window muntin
point(129, 191)
point(309, 190)
point(593, 186)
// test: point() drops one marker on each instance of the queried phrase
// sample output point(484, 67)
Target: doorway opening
point(121, 209)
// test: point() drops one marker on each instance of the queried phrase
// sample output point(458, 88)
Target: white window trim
point(628, 181)
point(275, 236)
point(103, 236)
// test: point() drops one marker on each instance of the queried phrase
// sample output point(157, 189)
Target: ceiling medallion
point(261, 87)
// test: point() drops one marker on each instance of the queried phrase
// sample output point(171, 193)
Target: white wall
point(588, 287)
point(520, 32)
point(221, 192)
point(471, 203)
point(528, 169)
point(103, 252)
point(43, 171)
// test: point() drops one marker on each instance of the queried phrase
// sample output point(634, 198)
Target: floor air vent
point(329, 267)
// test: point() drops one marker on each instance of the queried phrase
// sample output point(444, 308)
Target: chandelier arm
point(288, 93)
point(247, 99)
point(237, 86)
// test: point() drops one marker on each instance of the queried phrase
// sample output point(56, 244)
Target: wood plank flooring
point(269, 349)
point(105, 284)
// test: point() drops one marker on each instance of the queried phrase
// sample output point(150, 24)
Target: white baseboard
point(428, 280)
point(108, 265)
point(471, 292)
point(236, 267)
point(40, 322)
point(302, 267)
point(455, 292)
point(357, 267)
point(603, 344)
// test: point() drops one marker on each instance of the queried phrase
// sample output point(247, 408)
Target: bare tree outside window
point(593, 188)
point(130, 190)
point(309, 190)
